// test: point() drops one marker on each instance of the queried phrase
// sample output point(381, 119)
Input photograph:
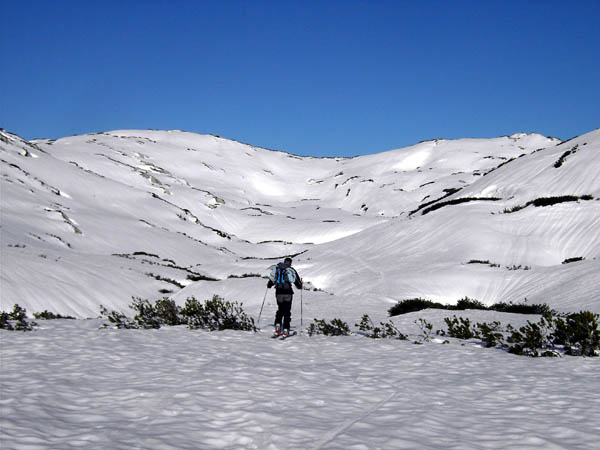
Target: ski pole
point(261, 308)
point(301, 305)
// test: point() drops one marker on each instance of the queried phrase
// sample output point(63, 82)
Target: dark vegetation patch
point(458, 201)
point(16, 320)
point(214, 314)
point(165, 279)
point(549, 201)
point(574, 334)
point(572, 260)
point(564, 156)
point(448, 192)
point(486, 262)
point(336, 327)
point(418, 304)
point(47, 315)
point(246, 275)
point(200, 277)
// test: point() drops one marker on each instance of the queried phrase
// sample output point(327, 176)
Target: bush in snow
point(490, 333)
point(336, 328)
point(18, 315)
point(168, 312)
point(426, 329)
point(571, 260)
point(4, 321)
point(469, 303)
point(47, 315)
point(412, 305)
point(216, 314)
point(521, 308)
point(119, 320)
point(164, 312)
point(459, 328)
point(532, 338)
point(386, 330)
point(146, 316)
point(578, 333)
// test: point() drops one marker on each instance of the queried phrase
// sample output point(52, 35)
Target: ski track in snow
point(71, 385)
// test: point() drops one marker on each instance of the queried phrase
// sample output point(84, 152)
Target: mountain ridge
point(205, 206)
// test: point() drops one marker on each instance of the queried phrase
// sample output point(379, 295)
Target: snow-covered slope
point(97, 219)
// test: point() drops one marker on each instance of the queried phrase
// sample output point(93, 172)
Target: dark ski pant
point(284, 310)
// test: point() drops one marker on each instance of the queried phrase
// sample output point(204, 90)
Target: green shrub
point(387, 329)
point(578, 333)
point(18, 315)
point(469, 303)
point(412, 305)
point(146, 316)
point(246, 275)
point(168, 312)
point(4, 321)
point(47, 315)
point(216, 314)
point(490, 333)
point(460, 328)
point(532, 338)
point(521, 308)
point(119, 320)
point(335, 328)
point(571, 260)
point(426, 329)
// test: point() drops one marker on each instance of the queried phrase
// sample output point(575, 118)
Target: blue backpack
point(282, 274)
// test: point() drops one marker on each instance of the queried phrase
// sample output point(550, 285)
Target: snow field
point(71, 385)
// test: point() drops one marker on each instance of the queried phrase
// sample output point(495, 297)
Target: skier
point(284, 276)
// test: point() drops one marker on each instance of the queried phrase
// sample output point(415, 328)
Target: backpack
point(282, 274)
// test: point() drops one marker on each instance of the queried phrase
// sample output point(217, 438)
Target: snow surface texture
point(71, 385)
point(97, 219)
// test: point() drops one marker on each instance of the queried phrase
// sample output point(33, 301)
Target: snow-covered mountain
point(96, 219)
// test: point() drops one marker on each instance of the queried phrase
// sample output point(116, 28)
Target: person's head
point(288, 261)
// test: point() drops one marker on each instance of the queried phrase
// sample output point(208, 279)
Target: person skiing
point(284, 275)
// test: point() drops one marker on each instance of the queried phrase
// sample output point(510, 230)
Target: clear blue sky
point(322, 78)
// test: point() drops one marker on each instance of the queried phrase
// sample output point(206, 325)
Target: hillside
point(97, 219)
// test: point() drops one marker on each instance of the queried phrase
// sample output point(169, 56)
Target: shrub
point(146, 316)
point(457, 201)
point(337, 327)
point(47, 315)
point(578, 333)
point(460, 328)
point(199, 277)
point(4, 323)
point(490, 333)
point(532, 338)
point(18, 315)
point(571, 260)
point(469, 303)
point(412, 305)
point(167, 312)
point(486, 262)
point(426, 329)
point(549, 201)
point(387, 330)
point(118, 319)
point(246, 275)
point(521, 308)
point(216, 314)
